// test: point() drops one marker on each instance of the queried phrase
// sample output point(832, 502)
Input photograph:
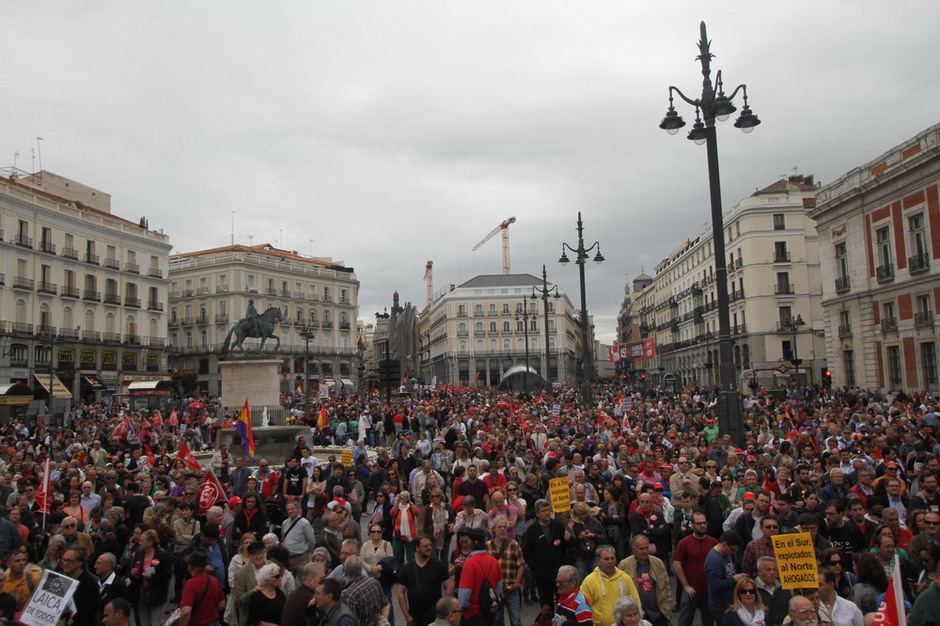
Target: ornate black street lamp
point(712, 104)
point(544, 292)
point(587, 360)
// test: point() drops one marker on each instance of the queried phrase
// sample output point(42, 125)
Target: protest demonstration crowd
point(461, 506)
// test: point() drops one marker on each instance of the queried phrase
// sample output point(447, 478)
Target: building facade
point(82, 291)
point(773, 284)
point(471, 334)
point(210, 290)
point(879, 228)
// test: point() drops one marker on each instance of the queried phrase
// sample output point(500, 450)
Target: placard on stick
point(346, 457)
point(796, 560)
point(559, 493)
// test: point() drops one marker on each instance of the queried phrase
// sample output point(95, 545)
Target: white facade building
point(210, 291)
point(80, 288)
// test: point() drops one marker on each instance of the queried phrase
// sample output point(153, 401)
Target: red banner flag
point(891, 612)
point(188, 458)
point(42, 494)
point(157, 419)
point(122, 427)
point(151, 457)
point(145, 425)
point(210, 492)
point(174, 418)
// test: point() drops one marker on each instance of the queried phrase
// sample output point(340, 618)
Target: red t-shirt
point(479, 566)
point(205, 610)
point(691, 552)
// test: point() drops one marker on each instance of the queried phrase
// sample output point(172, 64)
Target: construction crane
point(505, 228)
point(429, 279)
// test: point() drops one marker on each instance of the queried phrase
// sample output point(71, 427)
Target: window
point(848, 364)
point(505, 308)
point(492, 327)
point(478, 328)
point(842, 260)
point(779, 223)
point(492, 309)
point(887, 309)
point(784, 315)
point(894, 365)
point(780, 251)
point(928, 356)
point(478, 310)
point(533, 326)
point(923, 303)
point(883, 245)
point(551, 306)
point(462, 310)
point(507, 326)
point(520, 326)
point(783, 283)
point(918, 243)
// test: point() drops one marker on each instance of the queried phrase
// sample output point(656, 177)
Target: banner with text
point(796, 560)
point(633, 351)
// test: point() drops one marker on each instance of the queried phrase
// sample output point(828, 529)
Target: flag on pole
point(210, 492)
point(42, 494)
point(243, 428)
point(188, 458)
point(891, 612)
point(174, 418)
point(321, 420)
point(151, 457)
point(157, 419)
point(122, 428)
point(145, 425)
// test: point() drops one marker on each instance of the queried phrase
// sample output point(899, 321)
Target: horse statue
point(260, 326)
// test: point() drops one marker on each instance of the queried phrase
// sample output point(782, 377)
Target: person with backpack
point(481, 583)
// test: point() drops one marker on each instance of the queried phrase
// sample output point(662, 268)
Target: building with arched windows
point(82, 290)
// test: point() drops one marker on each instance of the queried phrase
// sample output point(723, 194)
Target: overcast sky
point(390, 133)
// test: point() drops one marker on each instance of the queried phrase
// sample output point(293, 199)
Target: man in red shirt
point(689, 566)
point(203, 600)
point(494, 480)
point(479, 565)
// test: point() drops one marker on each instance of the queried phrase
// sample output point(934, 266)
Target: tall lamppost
point(307, 333)
point(794, 324)
point(713, 103)
point(524, 318)
point(587, 360)
point(544, 292)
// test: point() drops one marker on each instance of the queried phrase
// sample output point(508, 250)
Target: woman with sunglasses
point(747, 608)
point(437, 521)
point(266, 603)
point(834, 560)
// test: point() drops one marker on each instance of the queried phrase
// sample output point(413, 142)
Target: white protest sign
point(51, 597)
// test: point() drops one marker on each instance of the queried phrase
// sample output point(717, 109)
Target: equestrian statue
point(253, 325)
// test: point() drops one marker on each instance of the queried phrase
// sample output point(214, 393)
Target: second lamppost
point(587, 359)
point(712, 104)
point(544, 292)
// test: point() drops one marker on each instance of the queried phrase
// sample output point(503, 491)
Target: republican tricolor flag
point(321, 420)
point(243, 428)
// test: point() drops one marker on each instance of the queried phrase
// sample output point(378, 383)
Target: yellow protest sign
point(347, 458)
point(559, 492)
point(796, 560)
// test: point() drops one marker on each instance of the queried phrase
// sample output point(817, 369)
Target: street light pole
point(525, 325)
point(544, 292)
point(587, 360)
point(795, 324)
point(307, 334)
point(712, 104)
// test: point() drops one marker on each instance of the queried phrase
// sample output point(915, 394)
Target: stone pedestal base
point(258, 380)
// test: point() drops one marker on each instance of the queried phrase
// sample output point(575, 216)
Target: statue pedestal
point(257, 380)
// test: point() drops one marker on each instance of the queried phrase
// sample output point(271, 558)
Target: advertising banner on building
point(633, 351)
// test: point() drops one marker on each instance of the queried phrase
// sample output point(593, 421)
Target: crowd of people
point(444, 514)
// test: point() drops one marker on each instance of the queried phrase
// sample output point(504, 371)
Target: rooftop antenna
point(251, 240)
point(39, 150)
point(33, 150)
point(280, 238)
point(311, 249)
point(233, 228)
point(16, 154)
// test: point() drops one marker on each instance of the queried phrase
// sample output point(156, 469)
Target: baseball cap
point(747, 496)
point(233, 501)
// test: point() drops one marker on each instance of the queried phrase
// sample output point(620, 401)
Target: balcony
point(70, 253)
point(112, 298)
point(187, 293)
point(327, 298)
point(845, 331)
point(133, 268)
point(91, 335)
point(46, 287)
point(327, 324)
point(173, 295)
point(23, 241)
point(285, 293)
point(132, 302)
point(156, 342)
point(47, 246)
point(202, 291)
point(344, 326)
point(68, 333)
point(187, 321)
point(781, 256)
point(740, 329)
point(221, 318)
point(92, 296)
point(736, 295)
point(70, 292)
point(463, 333)
point(923, 318)
point(313, 324)
point(153, 305)
point(842, 284)
point(155, 272)
point(884, 272)
point(889, 324)
point(202, 319)
point(111, 337)
point(172, 323)
point(22, 328)
point(298, 295)
point(918, 263)
point(92, 258)
point(461, 314)
point(783, 289)
point(344, 301)
point(270, 291)
point(20, 282)
point(313, 297)
point(132, 340)
point(112, 263)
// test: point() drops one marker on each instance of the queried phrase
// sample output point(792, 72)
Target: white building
point(773, 277)
point(879, 227)
point(471, 334)
point(210, 291)
point(80, 287)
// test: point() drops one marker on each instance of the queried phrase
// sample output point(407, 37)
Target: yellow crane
point(504, 226)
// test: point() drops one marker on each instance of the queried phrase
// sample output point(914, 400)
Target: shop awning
point(150, 387)
point(93, 382)
point(58, 389)
point(15, 394)
point(347, 383)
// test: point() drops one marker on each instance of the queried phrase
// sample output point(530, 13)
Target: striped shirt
point(574, 609)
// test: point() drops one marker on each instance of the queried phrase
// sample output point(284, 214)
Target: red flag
point(188, 458)
point(157, 419)
point(210, 492)
point(144, 424)
point(151, 457)
point(121, 429)
point(891, 612)
point(42, 494)
point(174, 418)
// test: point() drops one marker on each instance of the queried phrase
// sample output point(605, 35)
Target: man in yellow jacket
point(606, 584)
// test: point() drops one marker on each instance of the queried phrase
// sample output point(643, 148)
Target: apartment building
point(879, 229)
point(82, 291)
point(210, 291)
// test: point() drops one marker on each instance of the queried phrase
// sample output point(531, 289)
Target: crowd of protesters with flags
point(444, 507)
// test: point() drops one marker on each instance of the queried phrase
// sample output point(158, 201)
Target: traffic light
point(827, 378)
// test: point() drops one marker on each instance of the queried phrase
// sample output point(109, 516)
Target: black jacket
point(152, 591)
point(545, 550)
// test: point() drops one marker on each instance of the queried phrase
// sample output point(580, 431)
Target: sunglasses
point(375, 532)
point(834, 562)
point(748, 592)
